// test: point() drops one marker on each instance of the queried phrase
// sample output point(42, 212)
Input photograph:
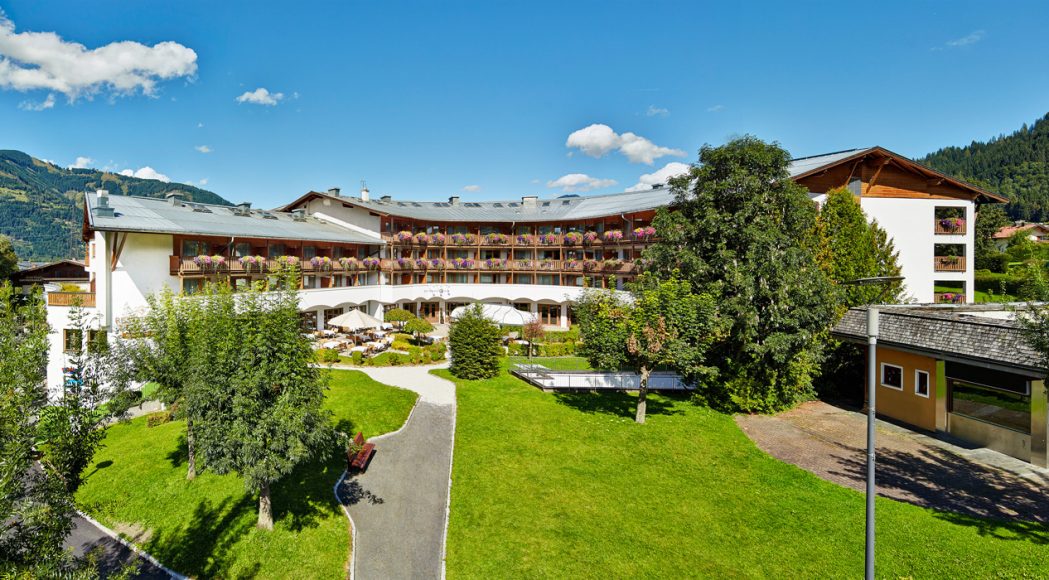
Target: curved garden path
point(399, 506)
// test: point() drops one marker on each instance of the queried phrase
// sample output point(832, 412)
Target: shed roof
point(152, 215)
point(984, 335)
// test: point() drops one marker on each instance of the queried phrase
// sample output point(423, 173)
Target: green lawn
point(206, 527)
point(568, 486)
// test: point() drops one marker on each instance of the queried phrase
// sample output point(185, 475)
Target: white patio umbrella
point(499, 314)
point(355, 320)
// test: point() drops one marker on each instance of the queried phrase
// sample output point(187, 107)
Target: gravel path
point(399, 506)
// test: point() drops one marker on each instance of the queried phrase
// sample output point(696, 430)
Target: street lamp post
point(872, 377)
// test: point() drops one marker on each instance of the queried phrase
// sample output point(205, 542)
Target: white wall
point(352, 215)
point(143, 268)
point(911, 224)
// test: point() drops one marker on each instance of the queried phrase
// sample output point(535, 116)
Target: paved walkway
point(913, 467)
point(112, 555)
point(399, 506)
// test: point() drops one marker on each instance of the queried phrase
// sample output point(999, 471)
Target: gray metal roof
point(964, 333)
point(806, 164)
point(152, 215)
point(551, 209)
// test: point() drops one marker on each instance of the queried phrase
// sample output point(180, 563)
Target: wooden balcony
point(511, 241)
point(949, 263)
point(950, 227)
point(949, 297)
point(86, 299)
point(591, 267)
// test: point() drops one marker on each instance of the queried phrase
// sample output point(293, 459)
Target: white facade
point(911, 223)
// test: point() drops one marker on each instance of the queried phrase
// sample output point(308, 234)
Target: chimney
point(386, 198)
point(364, 193)
point(102, 208)
point(530, 200)
point(298, 214)
point(174, 198)
point(453, 200)
point(334, 191)
point(244, 206)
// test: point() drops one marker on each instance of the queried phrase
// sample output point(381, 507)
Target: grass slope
point(206, 527)
point(569, 486)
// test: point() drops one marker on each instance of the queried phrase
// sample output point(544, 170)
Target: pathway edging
point(131, 546)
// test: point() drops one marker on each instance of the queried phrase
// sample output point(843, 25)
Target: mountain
point(1016, 165)
point(41, 204)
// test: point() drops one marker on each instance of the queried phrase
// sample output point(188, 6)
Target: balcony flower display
point(523, 265)
point(436, 239)
point(573, 239)
point(496, 239)
point(951, 298)
point(590, 265)
point(645, 233)
point(573, 265)
point(547, 264)
point(370, 263)
point(589, 238)
point(422, 264)
point(403, 236)
point(321, 262)
point(612, 264)
point(464, 239)
point(436, 264)
point(287, 261)
point(525, 239)
point(494, 264)
point(405, 263)
point(250, 263)
point(349, 263)
point(462, 263)
point(952, 224)
point(613, 235)
point(421, 238)
point(548, 239)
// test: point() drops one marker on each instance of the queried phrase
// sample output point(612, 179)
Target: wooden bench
point(359, 461)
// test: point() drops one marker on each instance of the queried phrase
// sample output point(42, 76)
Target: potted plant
point(321, 262)
point(525, 239)
point(403, 236)
point(496, 239)
point(422, 264)
point(590, 237)
point(249, 262)
point(573, 239)
point(405, 263)
point(436, 239)
point(645, 233)
point(548, 239)
point(421, 238)
point(349, 263)
point(437, 264)
point(590, 265)
point(203, 262)
point(613, 235)
point(370, 263)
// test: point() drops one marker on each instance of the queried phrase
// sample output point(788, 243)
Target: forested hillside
point(41, 203)
point(1015, 165)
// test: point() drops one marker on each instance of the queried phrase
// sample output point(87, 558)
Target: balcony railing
point(949, 263)
point(181, 265)
point(516, 241)
point(950, 226)
point(949, 297)
point(592, 267)
point(86, 299)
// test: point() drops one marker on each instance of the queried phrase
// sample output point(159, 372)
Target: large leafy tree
point(8, 258)
point(661, 324)
point(474, 342)
point(989, 220)
point(850, 247)
point(264, 411)
point(94, 393)
point(745, 233)
point(159, 349)
point(35, 508)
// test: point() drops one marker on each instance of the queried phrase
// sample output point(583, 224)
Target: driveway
point(912, 467)
point(399, 506)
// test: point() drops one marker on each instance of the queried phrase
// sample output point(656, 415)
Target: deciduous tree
point(532, 332)
point(8, 258)
point(417, 327)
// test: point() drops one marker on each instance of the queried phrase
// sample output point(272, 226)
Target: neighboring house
point(966, 370)
point(1035, 232)
point(429, 257)
point(61, 272)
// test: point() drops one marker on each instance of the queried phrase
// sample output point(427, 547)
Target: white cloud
point(472, 188)
point(971, 38)
point(659, 177)
point(654, 111)
point(82, 163)
point(200, 125)
point(43, 60)
point(203, 181)
point(598, 140)
point(43, 105)
point(146, 172)
point(579, 182)
point(261, 96)
point(203, 148)
point(715, 108)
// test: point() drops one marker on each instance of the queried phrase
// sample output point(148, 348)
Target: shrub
point(327, 355)
point(158, 418)
point(395, 359)
point(516, 349)
point(401, 345)
point(474, 341)
point(985, 281)
point(437, 356)
point(357, 357)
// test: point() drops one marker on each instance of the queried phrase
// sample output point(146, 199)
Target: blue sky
point(426, 99)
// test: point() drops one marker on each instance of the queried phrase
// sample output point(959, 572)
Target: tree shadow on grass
point(180, 454)
point(617, 403)
point(997, 502)
point(305, 495)
point(203, 546)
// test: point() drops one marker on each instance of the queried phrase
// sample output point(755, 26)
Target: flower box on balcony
point(951, 226)
point(404, 263)
point(209, 263)
point(573, 239)
point(421, 238)
point(949, 298)
point(349, 263)
point(371, 263)
point(403, 236)
point(496, 239)
point(644, 234)
point(494, 264)
point(252, 263)
point(464, 239)
point(322, 263)
point(548, 239)
point(436, 264)
point(436, 239)
point(525, 240)
point(613, 236)
point(591, 238)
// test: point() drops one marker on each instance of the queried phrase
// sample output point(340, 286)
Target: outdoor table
point(332, 344)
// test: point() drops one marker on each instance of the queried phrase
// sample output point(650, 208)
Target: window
point(97, 341)
point(550, 314)
point(277, 250)
point(72, 340)
point(191, 248)
point(241, 249)
point(192, 285)
point(997, 406)
point(892, 376)
point(921, 383)
point(309, 252)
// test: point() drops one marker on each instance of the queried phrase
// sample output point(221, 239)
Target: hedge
point(987, 281)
